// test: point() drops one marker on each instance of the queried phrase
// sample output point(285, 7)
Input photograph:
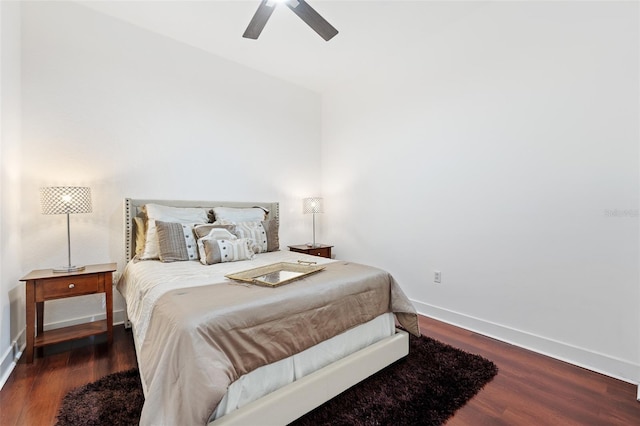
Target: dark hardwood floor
point(533, 389)
point(530, 389)
point(33, 393)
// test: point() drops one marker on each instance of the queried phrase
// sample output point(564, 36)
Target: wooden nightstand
point(44, 284)
point(320, 250)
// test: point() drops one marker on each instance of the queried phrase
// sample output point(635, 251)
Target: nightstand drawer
point(55, 288)
point(322, 252)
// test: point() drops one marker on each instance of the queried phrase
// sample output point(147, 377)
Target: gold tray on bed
point(276, 274)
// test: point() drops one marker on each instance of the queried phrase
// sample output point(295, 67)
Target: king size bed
point(216, 350)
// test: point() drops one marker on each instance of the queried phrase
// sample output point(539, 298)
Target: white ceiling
point(373, 35)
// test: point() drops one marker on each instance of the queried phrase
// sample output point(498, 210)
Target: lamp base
point(69, 269)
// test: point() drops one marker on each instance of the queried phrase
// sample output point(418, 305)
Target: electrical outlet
point(437, 277)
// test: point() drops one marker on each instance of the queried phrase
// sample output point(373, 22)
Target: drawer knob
point(72, 285)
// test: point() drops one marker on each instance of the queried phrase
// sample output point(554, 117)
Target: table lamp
point(66, 200)
point(313, 205)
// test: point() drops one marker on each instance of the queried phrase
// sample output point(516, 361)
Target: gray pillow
point(176, 241)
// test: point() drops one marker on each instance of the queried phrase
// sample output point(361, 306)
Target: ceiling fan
point(300, 8)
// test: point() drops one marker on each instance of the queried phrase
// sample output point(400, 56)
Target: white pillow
point(233, 214)
point(221, 234)
point(167, 214)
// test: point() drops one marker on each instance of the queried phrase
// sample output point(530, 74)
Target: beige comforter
point(201, 339)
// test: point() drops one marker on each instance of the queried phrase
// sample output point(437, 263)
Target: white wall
point(11, 296)
point(502, 151)
point(134, 114)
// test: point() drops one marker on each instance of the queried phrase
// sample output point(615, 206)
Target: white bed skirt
point(269, 378)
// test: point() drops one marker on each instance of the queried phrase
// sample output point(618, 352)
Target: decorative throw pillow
point(176, 242)
point(264, 234)
point(273, 239)
point(204, 230)
point(233, 214)
point(141, 233)
point(167, 214)
point(218, 251)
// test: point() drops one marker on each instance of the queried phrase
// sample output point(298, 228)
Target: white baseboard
point(11, 357)
point(13, 354)
point(601, 363)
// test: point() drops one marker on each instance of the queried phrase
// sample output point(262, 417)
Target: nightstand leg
point(31, 317)
point(39, 318)
point(108, 289)
point(39, 325)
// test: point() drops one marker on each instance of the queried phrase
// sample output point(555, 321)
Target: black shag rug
point(425, 388)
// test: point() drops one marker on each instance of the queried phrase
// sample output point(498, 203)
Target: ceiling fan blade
point(313, 19)
point(259, 20)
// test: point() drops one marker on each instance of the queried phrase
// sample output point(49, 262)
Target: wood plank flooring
point(533, 389)
point(32, 395)
point(530, 389)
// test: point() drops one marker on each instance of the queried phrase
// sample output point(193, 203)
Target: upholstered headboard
point(133, 208)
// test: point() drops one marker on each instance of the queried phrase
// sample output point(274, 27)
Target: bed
point(218, 351)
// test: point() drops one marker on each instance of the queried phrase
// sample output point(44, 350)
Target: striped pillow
point(176, 241)
point(263, 233)
point(219, 251)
